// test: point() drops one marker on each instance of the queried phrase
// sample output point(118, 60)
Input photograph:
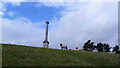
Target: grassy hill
point(16, 55)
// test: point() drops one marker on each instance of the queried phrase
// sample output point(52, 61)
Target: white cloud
point(2, 8)
point(22, 31)
point(56, 4)
point(79, 22)
point(16, 3)
point(1, 13)
point(95, 21)
point(59, 0)
point(11, 13)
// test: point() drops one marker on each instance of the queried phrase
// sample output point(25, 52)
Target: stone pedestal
point(45, 44)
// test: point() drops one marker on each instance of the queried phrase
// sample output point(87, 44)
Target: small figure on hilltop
point(63, 46)
point(76, 48)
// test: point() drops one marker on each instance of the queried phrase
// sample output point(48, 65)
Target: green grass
point(0, 55)
point(35, 56)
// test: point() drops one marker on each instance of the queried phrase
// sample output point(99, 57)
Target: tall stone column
point(45, 42)
point(119, 25)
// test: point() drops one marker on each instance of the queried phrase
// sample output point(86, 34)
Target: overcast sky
point(71, 23)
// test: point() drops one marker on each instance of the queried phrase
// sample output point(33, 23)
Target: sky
point(71, 23)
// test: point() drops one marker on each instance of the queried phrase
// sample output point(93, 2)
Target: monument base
point(45, 44)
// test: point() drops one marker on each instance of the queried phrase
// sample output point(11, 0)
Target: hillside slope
point(16, 55)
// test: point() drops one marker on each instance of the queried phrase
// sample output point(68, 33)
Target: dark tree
point(99, 47)
point(116, 49)
point(107, 47)
point(89, 46)
point(92, 46)
point(86, 45)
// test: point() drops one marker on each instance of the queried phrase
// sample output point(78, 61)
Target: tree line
point(100, 47)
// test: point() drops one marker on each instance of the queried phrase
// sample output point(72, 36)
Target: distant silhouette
point(76, 47)
point(89, 46)
point(88, 41)
point(106, 47)
point(86, 45)
point(92, 46)
point(116, 49)
point(100, 47)
point(63, 46)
